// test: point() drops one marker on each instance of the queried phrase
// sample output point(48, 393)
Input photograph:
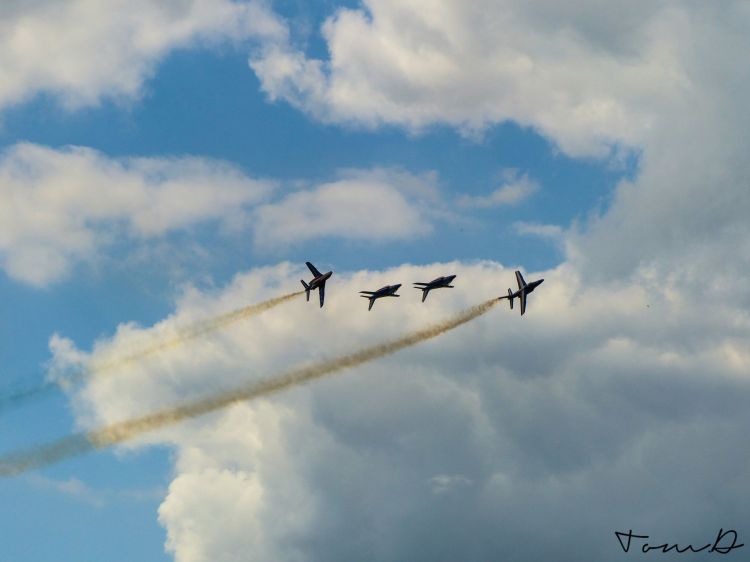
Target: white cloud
point(446, 483)
point(82, 51)
point(374, 205)
point(468, 443)
point(61, 206)
point(587, 76)
point(658, 77)
point(552, 232)
point(78, 490)
point(655, 76)
point(71, 487)
point(689, 202)
point(239, 493)
point(512, 192)
point(581, 418)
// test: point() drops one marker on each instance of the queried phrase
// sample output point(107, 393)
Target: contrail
point(200, 328)
point(20, 461)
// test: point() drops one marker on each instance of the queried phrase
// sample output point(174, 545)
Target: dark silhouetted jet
point(387, 291)
point(318, 282)
point(523, 290)
point(438, 283)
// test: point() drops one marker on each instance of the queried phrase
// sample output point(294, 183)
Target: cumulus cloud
point(688, 204)
point(616, 403)
point(82, 51)
point(586, 76)
point(61, 206)
point(377, 205)
point(505, 431)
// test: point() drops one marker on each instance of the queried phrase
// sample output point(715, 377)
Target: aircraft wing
point(523, 301)
point(322, 292)
point(519, 280)
point(312, 269)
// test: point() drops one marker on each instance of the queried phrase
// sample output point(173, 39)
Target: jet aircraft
point(318, 282)
point(387, 291)
point(438, 283)
point(523, 290)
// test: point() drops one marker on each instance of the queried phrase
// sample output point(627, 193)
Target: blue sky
point(261, 119)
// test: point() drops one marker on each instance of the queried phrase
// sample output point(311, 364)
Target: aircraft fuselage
point(387, 291)
point(528, 288)
point(523, 290)
point(319, 280)
point(438, 283)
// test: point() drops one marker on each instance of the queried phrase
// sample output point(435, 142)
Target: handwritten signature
point(720, 545)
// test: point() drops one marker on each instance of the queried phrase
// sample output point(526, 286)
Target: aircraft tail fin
point(424, 294)
point(510, 298)
point(372, 301)
point(307, 289)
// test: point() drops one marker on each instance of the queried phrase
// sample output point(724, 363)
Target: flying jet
point(318, 282)
point(438, 283)
point(387, 291)
point(523, 290)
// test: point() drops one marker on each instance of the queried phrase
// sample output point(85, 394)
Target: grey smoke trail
point(21, 461)
point(193, 331)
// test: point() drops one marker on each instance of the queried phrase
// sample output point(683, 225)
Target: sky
point(163, 164)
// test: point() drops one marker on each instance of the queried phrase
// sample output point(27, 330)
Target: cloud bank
point(504, 438)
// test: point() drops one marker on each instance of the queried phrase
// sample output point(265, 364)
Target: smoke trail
point(191, 332)
point(183, 335)
point(17, 462)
